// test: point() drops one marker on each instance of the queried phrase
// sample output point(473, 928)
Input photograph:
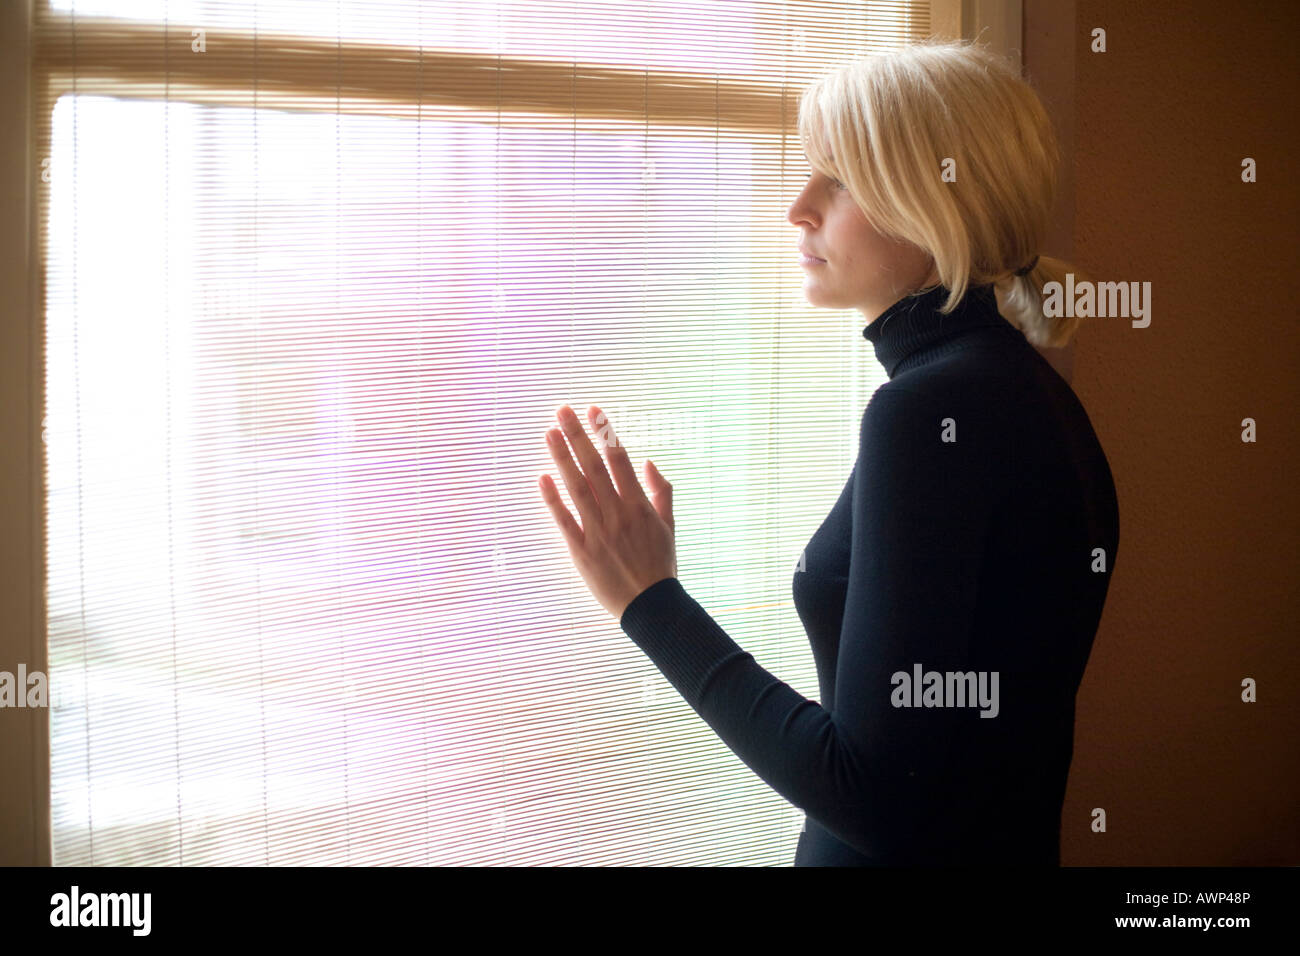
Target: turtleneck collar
point(913, 324)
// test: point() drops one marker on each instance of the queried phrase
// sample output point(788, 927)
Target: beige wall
point(1204, 590)
point(1047, 44)
point(24, 734)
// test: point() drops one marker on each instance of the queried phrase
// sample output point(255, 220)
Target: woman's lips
point(807, 260)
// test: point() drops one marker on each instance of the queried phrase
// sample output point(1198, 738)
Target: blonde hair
point(883, 125)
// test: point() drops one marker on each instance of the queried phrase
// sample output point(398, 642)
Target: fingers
point(569, 528)
point(584, 498)
point(619, 463)
point(661, 493)
point(593, 468)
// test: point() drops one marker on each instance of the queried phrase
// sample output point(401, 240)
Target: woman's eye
point(838, 184)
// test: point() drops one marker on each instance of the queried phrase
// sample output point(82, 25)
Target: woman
point(952, 594)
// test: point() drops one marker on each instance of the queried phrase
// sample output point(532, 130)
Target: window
point(316, 277)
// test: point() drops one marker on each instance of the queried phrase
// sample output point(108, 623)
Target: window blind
point(314, 279)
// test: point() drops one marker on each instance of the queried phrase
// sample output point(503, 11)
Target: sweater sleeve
point(873, 774)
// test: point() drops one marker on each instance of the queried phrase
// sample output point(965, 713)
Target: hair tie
point(1029, 268)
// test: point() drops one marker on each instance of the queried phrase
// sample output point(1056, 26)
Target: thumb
point(661, 492)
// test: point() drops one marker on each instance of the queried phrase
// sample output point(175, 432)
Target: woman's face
point(859, 268)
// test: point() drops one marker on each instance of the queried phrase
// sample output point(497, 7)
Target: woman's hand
point(625, 542)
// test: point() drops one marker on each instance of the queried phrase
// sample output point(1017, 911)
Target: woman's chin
point(818, 297)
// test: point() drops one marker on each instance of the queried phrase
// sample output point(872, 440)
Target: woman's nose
point(797, 212)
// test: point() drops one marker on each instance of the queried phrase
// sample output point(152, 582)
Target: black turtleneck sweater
point(976, 534)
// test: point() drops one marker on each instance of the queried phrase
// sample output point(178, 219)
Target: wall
point(1204, 591)
point(24, 733)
